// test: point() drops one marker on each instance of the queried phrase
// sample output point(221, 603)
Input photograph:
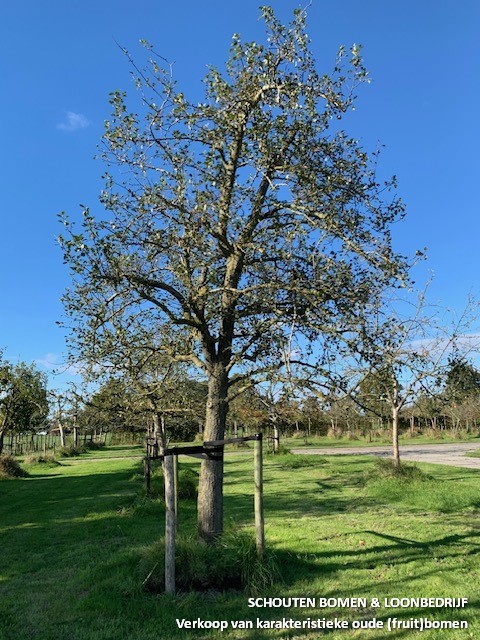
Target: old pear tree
point(230, 223)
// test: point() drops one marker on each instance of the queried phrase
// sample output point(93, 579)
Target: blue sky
point(59, 60)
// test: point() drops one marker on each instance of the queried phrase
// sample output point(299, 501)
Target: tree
point(405, 347)
point(230, 221)
point(23, 399)
point(462, 380)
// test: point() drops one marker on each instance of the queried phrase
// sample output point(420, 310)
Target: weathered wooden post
point(258, 498)
point(175, 485)
point(169, 480)
point(147, 473)
point(147, 469)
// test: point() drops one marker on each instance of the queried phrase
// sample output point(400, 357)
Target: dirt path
point(449, 454)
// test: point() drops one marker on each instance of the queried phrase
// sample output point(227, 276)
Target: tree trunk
point(276, 437)
point(159, 433)
point(62, 434)
point(2, 439)
point(396, 450)
point(412, 426)
point(210, 486)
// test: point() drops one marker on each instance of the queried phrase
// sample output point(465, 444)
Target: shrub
point(232, 563)
point(9, 468)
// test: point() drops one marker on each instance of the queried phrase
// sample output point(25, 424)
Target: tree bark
point(210, 487)
point(62, 434)
point(412, 426)
point(2, 439)
point(276, 437)
point(159, 433)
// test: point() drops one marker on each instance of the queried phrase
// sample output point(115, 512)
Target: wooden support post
point(258, 499)
point(147, 473)
point(169, 480)
point(175, 484)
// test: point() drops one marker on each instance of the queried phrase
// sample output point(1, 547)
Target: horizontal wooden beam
point(211, 449)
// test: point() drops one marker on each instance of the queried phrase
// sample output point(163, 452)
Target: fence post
point(169, 479)
point(147, 473)
point(258, 498)
point(147, 469)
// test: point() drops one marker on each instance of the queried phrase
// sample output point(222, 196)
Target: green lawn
point(73, 540)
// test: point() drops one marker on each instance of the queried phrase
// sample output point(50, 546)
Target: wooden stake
point(147, 473)
point(169, 480)
point(258, 499)
point(175, 483)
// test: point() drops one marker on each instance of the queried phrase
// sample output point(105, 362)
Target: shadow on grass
point(69, 536)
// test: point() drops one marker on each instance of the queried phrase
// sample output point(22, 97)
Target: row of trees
point(453, 404)
point(115, 407)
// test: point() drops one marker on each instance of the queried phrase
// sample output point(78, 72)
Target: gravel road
point(449, 454)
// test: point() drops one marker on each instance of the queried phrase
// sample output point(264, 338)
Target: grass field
point(75, 541)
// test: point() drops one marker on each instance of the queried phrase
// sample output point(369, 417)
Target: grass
point(474, 454)
point(73, 550)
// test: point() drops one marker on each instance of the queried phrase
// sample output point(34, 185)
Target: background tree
point(462, 380)
point(406, 349)
point(23, 399)
point(112, 407)
point(232, 219)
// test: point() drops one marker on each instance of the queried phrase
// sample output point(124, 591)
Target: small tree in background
point(406, 349)
point(23, 399)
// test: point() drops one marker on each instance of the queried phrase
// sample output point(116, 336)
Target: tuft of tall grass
point(71, 451)
point(47, 460)
point(10, 468)
point(90, 445)
point(231, 563)
point(386, 468)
